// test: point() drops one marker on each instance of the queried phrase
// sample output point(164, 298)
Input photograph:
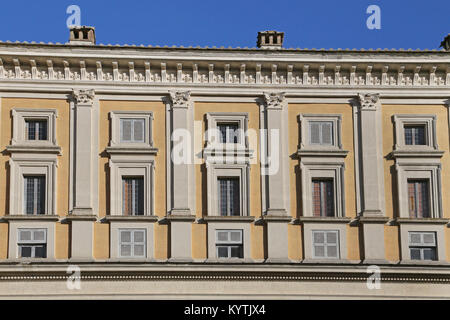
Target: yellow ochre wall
point(199, 243)
point(442, 135)
point(101, 231)
point(62, 187)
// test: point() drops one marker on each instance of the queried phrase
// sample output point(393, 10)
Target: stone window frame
point(13, 247)
point(427, 120)
point(116, 226)
point(316, 170)
point(426, 171)
point(213, 118)
point(304, 120)
point(133, 167)
point(241, 171)
point(212, 228)
point(20, 115)
point(438, 229)
point(309, 227)
point(20, 168)
point(115, 118)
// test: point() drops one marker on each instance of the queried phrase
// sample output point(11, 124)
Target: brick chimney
point(82, 35)
point(270, 40)
point(446, 43)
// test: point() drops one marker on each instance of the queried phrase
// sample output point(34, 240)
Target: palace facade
point(174, 172)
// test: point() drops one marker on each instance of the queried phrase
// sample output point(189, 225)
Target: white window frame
point(116, 226)
point(24, 167)
point(314, 168)
point(116, 128)
point(31, 243)
point(137, 168)
point(317, 225)
point(15, 225)
point(437, 228)
point(212, 134)
point(422, 245)
point(132, 243)
point(213, 226)
point(305, 131)
point(430, 171)
point(20, 115)
point(240, 171)
point(133, 120)
point(229, 243)
point(336, 232)
point(402, 120)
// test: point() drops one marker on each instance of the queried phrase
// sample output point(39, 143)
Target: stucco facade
point(84, 90)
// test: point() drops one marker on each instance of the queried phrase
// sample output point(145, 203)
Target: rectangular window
point(325, 244)
point(415, 135)
point(132, 130)
point(32, 243)
point(321, 132)
point(229, 197)
point(132, 243)
point(34, 194)
point(36, 129)
point(422, 245)
point(133, 196)
point(323, 198)
point(418, 198)
point(229, 132)
point(229, 244)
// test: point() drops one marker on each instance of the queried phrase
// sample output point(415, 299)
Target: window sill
point(421, 152)
point(130, 218)
point(24, 217)
point(329, 261)
point(230, 150)
point(229, 218)
point(424, 262)
point(35, 148)
point(322, 220)
point(133, 149)
point(322, 152)
point(422, 220)
point(80, 218)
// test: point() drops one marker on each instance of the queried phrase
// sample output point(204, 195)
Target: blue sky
point(307, 24)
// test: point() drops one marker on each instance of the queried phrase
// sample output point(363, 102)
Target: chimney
point(446, 43)
point(270, 40)
point(82, 35)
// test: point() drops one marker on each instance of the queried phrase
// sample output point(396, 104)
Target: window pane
point(319, 251)
point(125, 250)
point(235, 236)
point(24, 235)
point(235, 197)
point(418, 198)
point(236, 252)
point(139, 125)
point(36, 129)
point(428, 238)
point(331, 237)
point(429, 254)
point(25, 252)
point(222, 252)
point(414, 238)
point(228, 132)
point(327, 133)
point(139, 250)
point(408, 136)
point(39, 235)
point(332, 252)
point(125, 236)
point(133, 196)
point(229, 197)
point(415, 254)
point(126, 130)
point(34, 194)
point(222, 236)
point(139, 236)
point(40, 252)
point(314, 132)
point(319, 237)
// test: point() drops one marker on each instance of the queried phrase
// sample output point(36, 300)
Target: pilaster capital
point(369, 101)
point(275, 100)
point(180, 99)
point(84, 96)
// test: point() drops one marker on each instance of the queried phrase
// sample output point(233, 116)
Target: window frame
point(323, 202)
point(321, 125)
point(134, 178)
point(212, 133)
point(132, 243)
point(133, 121)
point(416, 200)
point(230, 205)
point(421, 246)
point(31, 243)
point(25, 195)
point(414, 128)
point(116, 118)
point(426, 120)
point(21, 115)
point(36, 133)
point(325, 232)
point(305, 121)
point(229, 244)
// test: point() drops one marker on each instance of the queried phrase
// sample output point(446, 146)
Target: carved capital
point(369, 101)
point(274, 100)
point(180, 99)
point(85, 96)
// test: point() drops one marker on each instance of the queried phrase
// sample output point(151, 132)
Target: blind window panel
point(32, 243)
point(229, 196)
point(418, 198)
point(326, 244)
point(422, 245)
point(133, 196)
point(132, 243)
point(323, 198)
point(229, 244)
point(414, 135)
point(34, 194)
point(36, 129)
point(132, 130)
point(229, 132)
point(321, 132)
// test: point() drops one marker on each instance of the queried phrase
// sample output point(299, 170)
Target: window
point(415, 135)
point(228, 132)
point(418, 198)
point(133, 196)
point(321, 132)
point(36, 129)
point(325, 243)
point(422, 245)
point(32, 243)
point(34, 194)
point(132, 130)
point(323, 198)
point(229, 244)
point(132, 243)
point(229, 197)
